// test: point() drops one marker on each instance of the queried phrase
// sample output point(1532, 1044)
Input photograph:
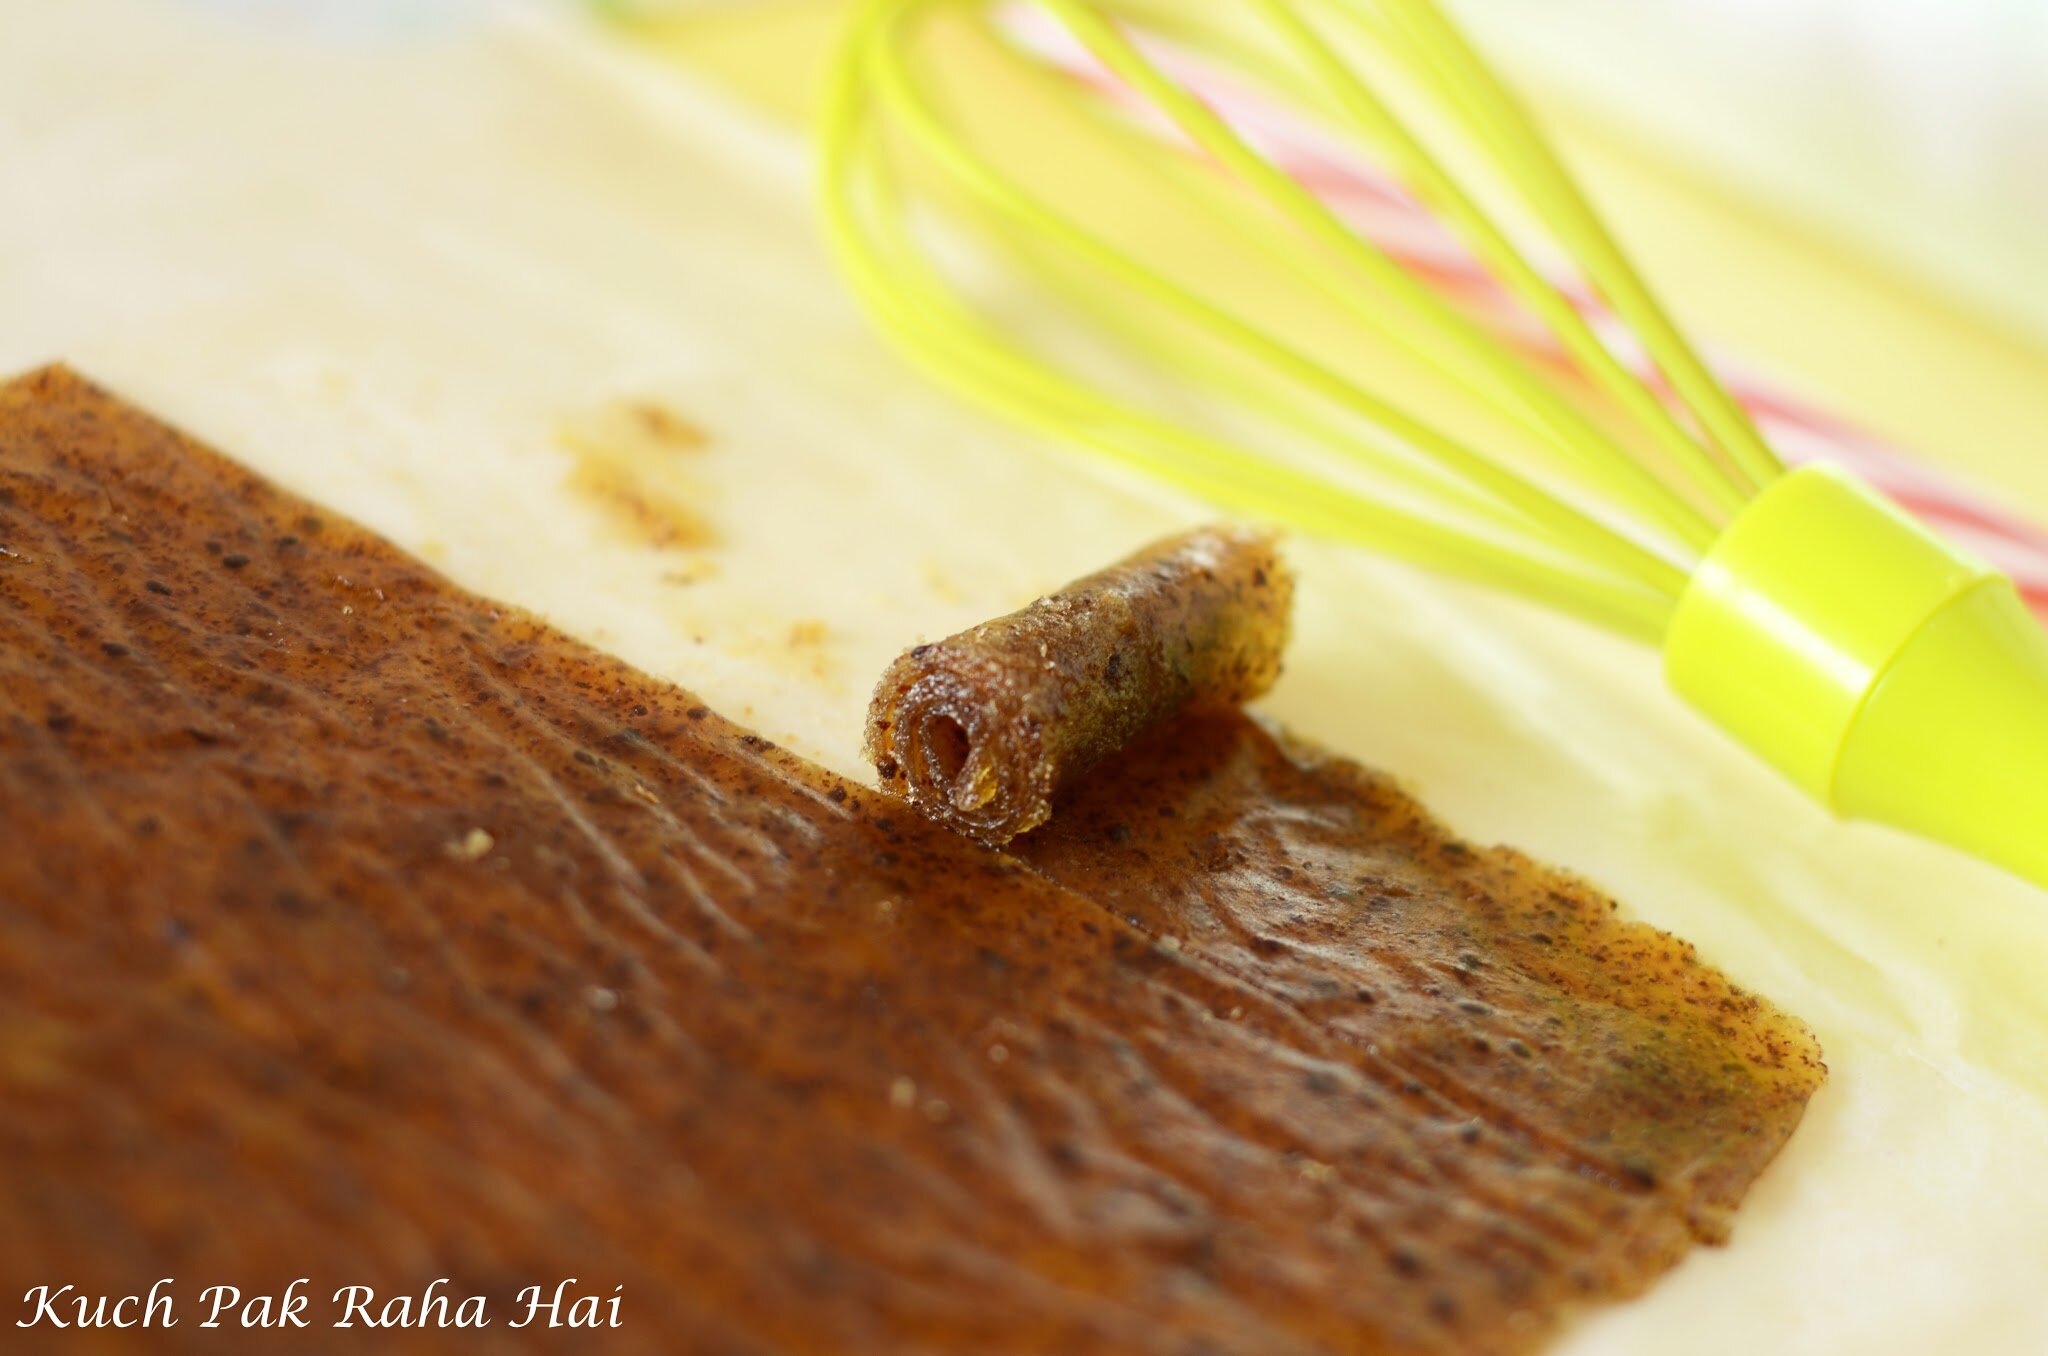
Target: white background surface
point(1917, 129)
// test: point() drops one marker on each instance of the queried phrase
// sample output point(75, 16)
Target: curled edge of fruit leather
point(983, 730)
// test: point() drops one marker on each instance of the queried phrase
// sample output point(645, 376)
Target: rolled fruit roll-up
point(982, 730)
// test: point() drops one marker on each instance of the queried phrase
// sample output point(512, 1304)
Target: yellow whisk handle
point(1892, 676)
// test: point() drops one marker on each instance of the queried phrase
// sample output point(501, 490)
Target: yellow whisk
point(1326, 385)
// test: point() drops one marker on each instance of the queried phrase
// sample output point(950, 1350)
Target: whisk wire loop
point(913, 302)
point(1284, 403)
point(1007, 196)
point(1435, 185)
point(1436, 331)
point(1436, 46)
point(1617, 544)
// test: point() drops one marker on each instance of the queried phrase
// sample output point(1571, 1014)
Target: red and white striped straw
point(1383, 212)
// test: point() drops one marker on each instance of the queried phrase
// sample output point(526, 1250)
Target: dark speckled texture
point(1503, 998)
point(354, 928)
point(981, 730)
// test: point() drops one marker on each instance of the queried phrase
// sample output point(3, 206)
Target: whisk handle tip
point(1892, 676)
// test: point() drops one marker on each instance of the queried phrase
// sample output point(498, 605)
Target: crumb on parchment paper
point(630, 462)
